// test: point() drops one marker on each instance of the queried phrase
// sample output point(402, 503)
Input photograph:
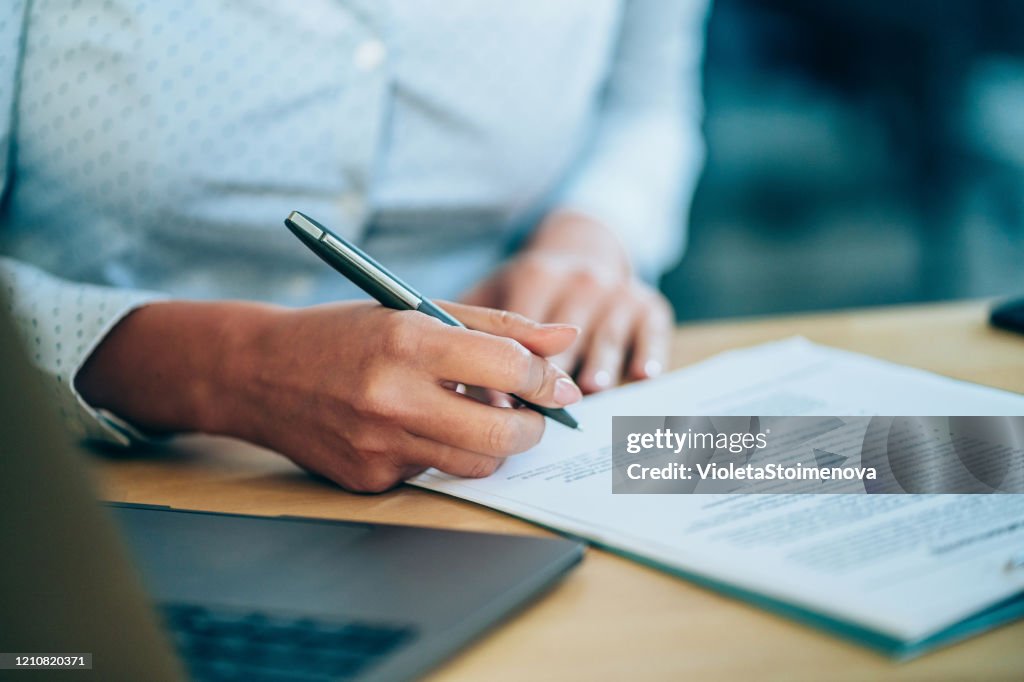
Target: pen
point(377, 281)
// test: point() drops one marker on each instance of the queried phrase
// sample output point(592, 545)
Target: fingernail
point(652, 368)
point(556, 326)
point(602, 379)
point(566, 392)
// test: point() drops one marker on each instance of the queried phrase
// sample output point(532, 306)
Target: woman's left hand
point(575, 271)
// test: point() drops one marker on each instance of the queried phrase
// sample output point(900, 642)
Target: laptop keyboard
point(225, 644)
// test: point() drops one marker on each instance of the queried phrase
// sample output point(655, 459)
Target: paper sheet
point(905, 566)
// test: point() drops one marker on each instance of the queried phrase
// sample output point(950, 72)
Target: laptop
point(154, 593)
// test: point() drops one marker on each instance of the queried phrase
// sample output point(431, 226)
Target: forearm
point(170, 366)
point(640, 166)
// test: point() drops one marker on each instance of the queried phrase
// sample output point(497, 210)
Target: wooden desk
point(612, 618)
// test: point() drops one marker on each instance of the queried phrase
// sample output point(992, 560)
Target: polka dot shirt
point(151, 148)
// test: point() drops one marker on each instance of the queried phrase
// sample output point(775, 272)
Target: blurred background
point(860, 152)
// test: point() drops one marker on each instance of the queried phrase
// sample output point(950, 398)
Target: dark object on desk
point(243, 597)
point(1009, 315)
point(376, 280)
point(247, 596)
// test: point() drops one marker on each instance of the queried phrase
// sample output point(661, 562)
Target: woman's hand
point(352, 391)
point(574, 271)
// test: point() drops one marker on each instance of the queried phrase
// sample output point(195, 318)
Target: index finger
point(477, 358)
point(542, 339)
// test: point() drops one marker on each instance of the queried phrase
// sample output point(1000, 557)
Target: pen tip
point(580, 429)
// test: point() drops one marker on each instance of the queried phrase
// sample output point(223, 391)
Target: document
point(901, 573)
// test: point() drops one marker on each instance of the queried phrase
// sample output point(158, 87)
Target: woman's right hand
point(353, 391)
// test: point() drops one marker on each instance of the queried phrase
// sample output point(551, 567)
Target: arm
point(618, 222)
point(642, 164)
point(353, 391)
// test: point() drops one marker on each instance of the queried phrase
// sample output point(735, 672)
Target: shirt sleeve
point(60, 322)
point(641, 164)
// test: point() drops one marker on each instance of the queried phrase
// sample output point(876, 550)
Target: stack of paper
point(900, 573)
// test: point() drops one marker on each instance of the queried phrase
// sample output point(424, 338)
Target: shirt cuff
point(61, 324)
point(97, 424)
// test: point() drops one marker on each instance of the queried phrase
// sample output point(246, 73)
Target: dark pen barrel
point(555, 413)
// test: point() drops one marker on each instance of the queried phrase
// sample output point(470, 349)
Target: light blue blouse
point(156, 145)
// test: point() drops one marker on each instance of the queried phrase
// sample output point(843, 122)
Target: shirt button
point(370, 54)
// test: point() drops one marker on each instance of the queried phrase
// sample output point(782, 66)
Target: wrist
point(225, 389)
point(170, 366)
point(566, 231)
point(240, 386)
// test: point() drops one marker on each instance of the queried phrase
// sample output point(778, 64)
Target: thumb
point(541, 339)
